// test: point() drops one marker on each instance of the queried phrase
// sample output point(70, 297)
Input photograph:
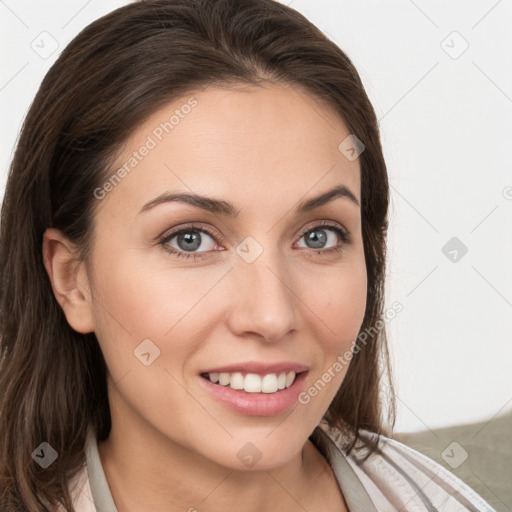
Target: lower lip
point(257, 404)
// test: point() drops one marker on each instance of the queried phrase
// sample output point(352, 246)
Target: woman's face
point(271, 285)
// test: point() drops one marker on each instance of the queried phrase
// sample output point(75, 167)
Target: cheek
point(145, 296)
point(140, 298)
point(340, 303)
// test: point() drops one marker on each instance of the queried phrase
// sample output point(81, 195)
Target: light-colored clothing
point(396, 478)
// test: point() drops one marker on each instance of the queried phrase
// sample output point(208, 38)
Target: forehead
point(257, 143)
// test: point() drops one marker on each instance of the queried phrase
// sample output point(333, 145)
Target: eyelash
point(343, 234)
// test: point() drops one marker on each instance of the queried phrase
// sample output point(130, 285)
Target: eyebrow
point(218, 206)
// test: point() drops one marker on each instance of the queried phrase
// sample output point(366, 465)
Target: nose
point(263, 300)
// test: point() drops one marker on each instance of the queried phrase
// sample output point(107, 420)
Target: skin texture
point(265, 150)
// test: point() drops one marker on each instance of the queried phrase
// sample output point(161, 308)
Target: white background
point(446, 124)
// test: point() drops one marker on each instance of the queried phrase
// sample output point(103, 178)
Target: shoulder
point(405, 478)
point(80, 491)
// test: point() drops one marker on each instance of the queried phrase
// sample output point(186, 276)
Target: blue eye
point(191, 238)
point(318, 237)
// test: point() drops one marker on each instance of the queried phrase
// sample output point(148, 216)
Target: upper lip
point(257, 367)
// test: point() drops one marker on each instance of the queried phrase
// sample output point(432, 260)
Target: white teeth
point(223, 379)
point(254, 383)
point(236, 381)
point(269, 383)
point(281, 381)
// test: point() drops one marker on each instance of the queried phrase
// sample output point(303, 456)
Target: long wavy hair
point(118, 71)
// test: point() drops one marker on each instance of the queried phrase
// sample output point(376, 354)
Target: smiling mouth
point(253, 382)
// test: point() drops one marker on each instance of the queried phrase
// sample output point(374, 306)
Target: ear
point(70, 282)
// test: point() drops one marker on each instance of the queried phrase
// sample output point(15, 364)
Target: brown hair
point(114, 74)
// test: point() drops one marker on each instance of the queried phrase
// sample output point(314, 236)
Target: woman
point(193, 252)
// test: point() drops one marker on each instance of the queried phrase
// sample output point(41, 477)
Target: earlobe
point(69, 279)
